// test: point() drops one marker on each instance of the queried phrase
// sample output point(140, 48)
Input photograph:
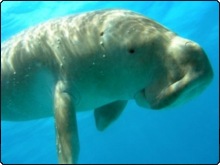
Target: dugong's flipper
point(66, 126)
point(106, 114)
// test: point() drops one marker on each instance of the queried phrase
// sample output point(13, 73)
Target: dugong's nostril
point(188, 43)
point(192, 46)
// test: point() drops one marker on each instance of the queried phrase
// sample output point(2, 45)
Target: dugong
point(96, 60)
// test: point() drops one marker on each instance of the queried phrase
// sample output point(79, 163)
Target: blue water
point(185, 134)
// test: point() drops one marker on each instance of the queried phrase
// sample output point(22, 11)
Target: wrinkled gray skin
point(97, 60)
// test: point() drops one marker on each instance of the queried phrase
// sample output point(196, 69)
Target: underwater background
point(185, 134)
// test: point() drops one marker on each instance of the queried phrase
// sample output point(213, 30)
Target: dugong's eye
point(102, 33)
point(131, 50)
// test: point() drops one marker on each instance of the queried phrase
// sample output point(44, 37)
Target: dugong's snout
point(193, 62)
point(195, 73)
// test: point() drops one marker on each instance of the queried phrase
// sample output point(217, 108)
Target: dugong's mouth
point(174, 94)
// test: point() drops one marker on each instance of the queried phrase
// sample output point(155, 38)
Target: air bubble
point(102, 73)
point(38, 65)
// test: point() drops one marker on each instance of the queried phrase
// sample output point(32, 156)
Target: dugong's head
point(160, 69)
point(182, 73)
